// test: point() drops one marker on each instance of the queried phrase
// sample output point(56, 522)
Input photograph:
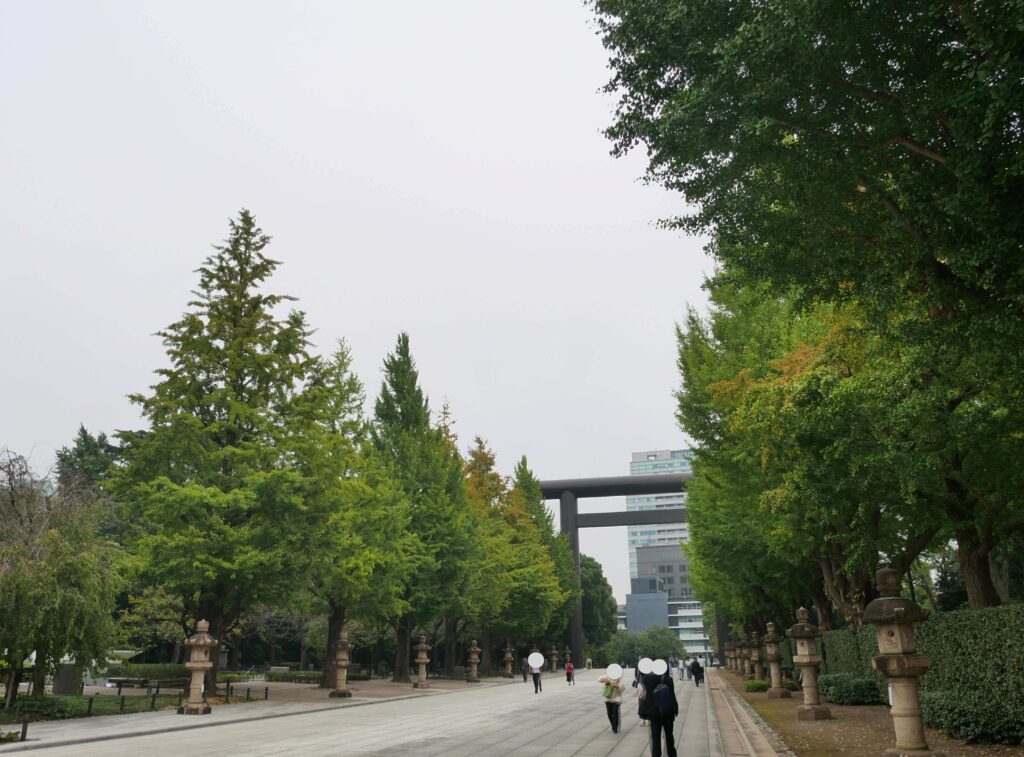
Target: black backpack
point(663, 699)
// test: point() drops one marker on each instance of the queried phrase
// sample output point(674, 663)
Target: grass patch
point(68, 707)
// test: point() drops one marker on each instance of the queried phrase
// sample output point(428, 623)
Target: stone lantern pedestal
point(474, 661)
point(730, 656)
point(509, 659)
point(748, 664)
point(807, 658)
point(421, 661)
point(200, 660)
point(773, 654)
point(755, 657)
point(567, 656)
point(341, 663)
point(894, 617)
point(552, 659)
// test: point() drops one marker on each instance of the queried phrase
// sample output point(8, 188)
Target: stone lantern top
point(890, 607)
point(803, 628)
point(201, 638)
point(772, 637)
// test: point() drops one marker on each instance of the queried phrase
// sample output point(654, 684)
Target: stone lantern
point(553, 658)
point(773, 654)
point(341, 663)
point(730, 656)
point(894, 618)
point(755, 657)
point(421, 660)
point(474, 661)
point(747, 665)
point(807, 658)
point(567, 656)
point(510, 653)
point(200, 660)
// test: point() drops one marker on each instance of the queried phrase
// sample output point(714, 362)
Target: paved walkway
point(506, 719)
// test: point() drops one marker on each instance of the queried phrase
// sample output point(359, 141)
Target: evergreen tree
point(224, 511)
point(428, 470)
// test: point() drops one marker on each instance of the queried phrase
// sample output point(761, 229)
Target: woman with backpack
point(659, 707)
point(612, 692)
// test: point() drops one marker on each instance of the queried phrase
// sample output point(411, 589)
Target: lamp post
point(421, 660)
point(474, 661)
point(894, 617)
point(200, 660)
point(807, 658)
point(341, 663)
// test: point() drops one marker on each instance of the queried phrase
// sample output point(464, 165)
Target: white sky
point(430, 167)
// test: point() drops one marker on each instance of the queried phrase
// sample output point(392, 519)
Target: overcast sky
point(434, 167)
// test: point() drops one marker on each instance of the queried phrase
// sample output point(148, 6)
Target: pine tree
point(212, 481)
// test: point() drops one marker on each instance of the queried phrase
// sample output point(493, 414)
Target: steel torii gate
point(569, 491)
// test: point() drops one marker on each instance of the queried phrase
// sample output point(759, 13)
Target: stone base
point(813, 712)
point(472, 680)
point(194, 709)
point(779, 693)
point(340, 694)
point(897, 752)
point(419, 685)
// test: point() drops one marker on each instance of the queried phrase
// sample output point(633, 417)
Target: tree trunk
point(451, 638)
point(13, 680)
point(976, 570)
point(823, 606)
point(235, 657)
point(39, 678)
point(176, 653)
point(403, 632)
point(335, 622)
point(485, 653)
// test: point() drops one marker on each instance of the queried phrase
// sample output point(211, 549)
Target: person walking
point(660, 708)
point(689, 669)
point(612, 691)
point(570, 677)
point(696, 671)
point(524, 668)
point(535, 672)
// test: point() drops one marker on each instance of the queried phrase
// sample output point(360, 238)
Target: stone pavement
point(505, 719)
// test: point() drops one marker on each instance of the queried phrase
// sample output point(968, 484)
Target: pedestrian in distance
point(697, 672)
point(524, 668)
point(570, 673)
point(535, 672)
point(612, 694)
point(659, 707)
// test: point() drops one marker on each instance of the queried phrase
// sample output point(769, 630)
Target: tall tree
point(224, 513)
point(600, 611)
point(428, 470)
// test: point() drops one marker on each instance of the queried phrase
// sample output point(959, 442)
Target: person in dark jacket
point(697, 671)
point(660, 721)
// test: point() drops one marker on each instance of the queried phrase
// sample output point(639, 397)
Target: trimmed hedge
point(755, 686)
point(843, 688)
point(152, 671)
point(296, 676)
point(790, 685)
point(977, 658)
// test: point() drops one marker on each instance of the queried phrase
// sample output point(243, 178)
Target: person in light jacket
point(613, 702)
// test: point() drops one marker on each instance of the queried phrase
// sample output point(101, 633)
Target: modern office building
point(655, 552)
point(646, 604)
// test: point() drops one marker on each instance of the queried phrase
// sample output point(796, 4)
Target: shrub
point(790, 685)
point(843, 688)
point(972, 717)
point(296, 676)
point(152, 671)
point(755, 686)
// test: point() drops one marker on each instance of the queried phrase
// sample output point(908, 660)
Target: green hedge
point(154, 671)
point(977, 657)
point(843, 688)
point(296, 676)
point(755, 686)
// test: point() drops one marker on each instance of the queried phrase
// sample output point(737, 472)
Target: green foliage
point(973, 717)
point(843, 688)
point(150, 671)
point(849, 650)
point(58, 576)
point(628, 646)
point(790, 685)
point(77, 706)
point(223, 510)
point(600, 611)
point(295, 676)
point(754, 686)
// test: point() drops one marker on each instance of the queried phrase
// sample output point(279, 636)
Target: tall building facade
point(655, 551)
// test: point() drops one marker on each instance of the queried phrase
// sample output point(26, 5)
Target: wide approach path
point(561, 721)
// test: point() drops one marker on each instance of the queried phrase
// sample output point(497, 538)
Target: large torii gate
point(569, 491)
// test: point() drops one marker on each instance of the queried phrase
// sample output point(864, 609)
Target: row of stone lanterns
point(893, 617)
